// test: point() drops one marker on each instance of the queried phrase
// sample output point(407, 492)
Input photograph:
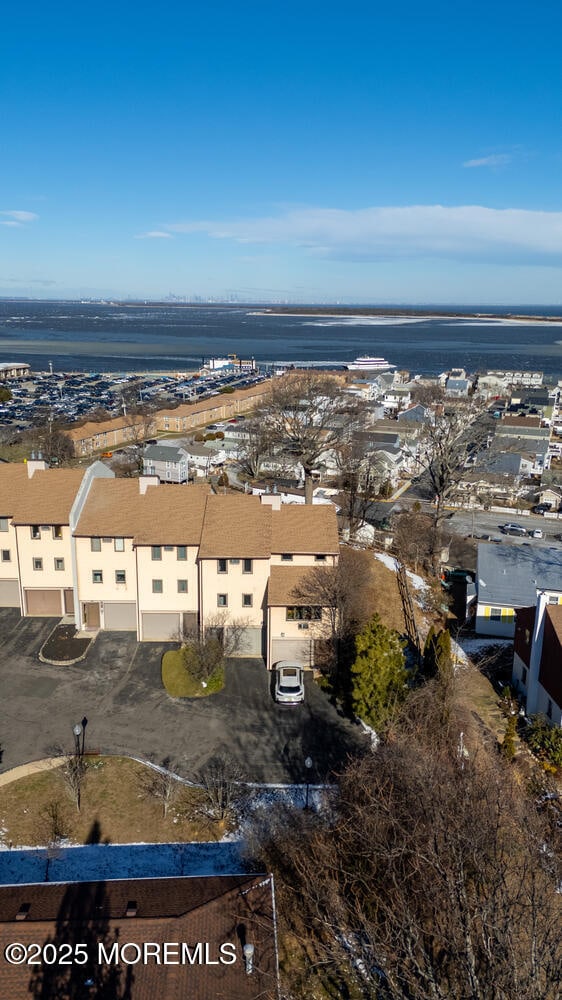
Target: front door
point(68, 601)
point(91, 614)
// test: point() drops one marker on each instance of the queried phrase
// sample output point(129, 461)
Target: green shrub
point(545, 740)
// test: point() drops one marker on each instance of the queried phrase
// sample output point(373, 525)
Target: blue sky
point(301, 151)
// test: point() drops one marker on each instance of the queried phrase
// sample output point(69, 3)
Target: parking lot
point(118, 689)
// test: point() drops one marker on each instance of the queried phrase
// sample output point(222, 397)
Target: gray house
point(170, 464)
point(511, 577)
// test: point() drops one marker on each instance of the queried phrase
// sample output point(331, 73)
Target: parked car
point(541, 508)
point(289, 682)
point(459, 576)
point(513, 529)
point(536, 533)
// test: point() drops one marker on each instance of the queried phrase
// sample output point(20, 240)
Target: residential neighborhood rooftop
point(511, 575)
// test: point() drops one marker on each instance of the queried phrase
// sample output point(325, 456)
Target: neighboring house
point(551, 496)
point(537, 660)
point(13, 369)
point(168, 463)
point(152, 920)
point(397, 398)
point(510, 577)
point(418, 414)
point(457, 387)
point(127, 554)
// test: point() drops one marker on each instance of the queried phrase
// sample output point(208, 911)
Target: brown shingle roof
point(213, 911)
point(13, 484)
point(168, 515)
point(236, 526)
point(283, 580)
point(47, 497)
point(305, 528)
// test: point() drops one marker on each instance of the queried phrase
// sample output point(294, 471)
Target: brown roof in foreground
point(165, 514)
point(212, 911)
point(283, 581)
point(48, 496)
point(305, 528)
point(13, 485)
point(236, 526)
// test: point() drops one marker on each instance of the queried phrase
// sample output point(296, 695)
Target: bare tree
point(161, 783)
point(73, 772)
point(342, 593)
point(48, 437)
point(433, 877)
point(362, 473)
point(204, 650)
point(222, 781)
point(255, 447)
point(305, 410)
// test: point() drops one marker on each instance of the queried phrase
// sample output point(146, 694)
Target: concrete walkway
point(24, 770)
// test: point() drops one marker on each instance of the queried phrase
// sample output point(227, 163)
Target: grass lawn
point(114, 808)
point(179, 683)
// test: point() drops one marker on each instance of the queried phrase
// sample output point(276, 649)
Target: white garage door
point(120, 616)
point(251, 643)
point(9, 594)
point(301, 650)
point(160, 625)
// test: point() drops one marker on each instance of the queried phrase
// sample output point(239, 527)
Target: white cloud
point(495, 160)
point(154, 234)
point(507, 235)
point(16, 225)
point(20, 217)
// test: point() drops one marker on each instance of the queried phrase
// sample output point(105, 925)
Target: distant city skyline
point(245, 153)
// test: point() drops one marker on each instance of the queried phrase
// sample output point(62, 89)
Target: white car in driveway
point(289, 682)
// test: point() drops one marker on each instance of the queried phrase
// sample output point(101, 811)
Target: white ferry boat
point(369, 365)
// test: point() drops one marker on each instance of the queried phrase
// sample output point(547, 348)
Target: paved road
point(118, 688)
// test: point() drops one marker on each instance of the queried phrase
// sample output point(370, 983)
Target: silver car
point(289, 682)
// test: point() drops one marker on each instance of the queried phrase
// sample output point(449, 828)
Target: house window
point(181, 552)
point(247, 600)
point(57, 530)
point(120, 576)
point(320, 558)
point(38, 564)
point(495, 614)
point(6, 555)
point(3, 523)
point(247, 566)
point(524, 676)
point(59, 564)
point(97, 576)
point(95, 544)
point(222, 600)
point(156, 552)
point(119, 544)
point(182, 586)
point(222, 566)
point(552, 599)
point(304, 614)
point(157, 587)
point(286, 557)
point(35, 532)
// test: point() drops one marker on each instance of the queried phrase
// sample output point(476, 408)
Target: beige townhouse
point(38, 530)
point(163, 560)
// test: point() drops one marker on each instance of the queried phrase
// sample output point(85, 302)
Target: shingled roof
point(47, 497)
point(200, 912)
point(168, 515)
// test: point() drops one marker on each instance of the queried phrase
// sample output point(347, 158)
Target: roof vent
point(23, 911)
point(132, 908)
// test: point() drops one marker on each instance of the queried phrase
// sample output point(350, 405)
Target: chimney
point(146, 481)
point(272, 500)
point(35, 465)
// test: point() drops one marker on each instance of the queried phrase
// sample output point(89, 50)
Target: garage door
point(9, 594)
point(250, 643)
point(120, 616)
point(43, 602)
point(160, 625)
point(292, 649)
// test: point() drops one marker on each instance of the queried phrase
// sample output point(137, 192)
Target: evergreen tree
point(508, 744)
point(437, 657)
point(378, 674)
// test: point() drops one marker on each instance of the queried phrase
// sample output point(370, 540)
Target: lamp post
point(308, 762)
point(77, 730)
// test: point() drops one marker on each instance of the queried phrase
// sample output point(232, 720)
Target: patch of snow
point(418, 583)
point(386, 560)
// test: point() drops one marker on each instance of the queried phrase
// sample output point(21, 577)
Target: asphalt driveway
point(118, 689)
